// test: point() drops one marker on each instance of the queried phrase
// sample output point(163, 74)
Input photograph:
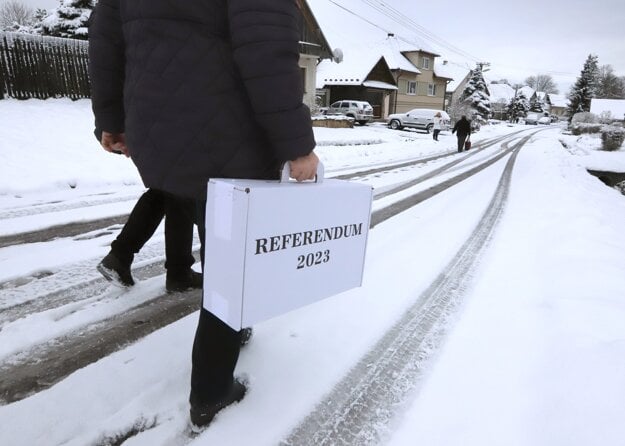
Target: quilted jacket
point(201, 88)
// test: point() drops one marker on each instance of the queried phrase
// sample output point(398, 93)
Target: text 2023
point(313, 258)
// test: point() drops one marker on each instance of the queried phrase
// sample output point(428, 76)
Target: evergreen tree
point(518, 107)
point(584, 89)
point(536, 104)
point(69, 19)
point(476, 95)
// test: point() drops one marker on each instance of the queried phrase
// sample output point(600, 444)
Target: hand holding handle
point(286, 170)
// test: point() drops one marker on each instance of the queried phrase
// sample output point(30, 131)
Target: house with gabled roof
point(413, 82)
point(615, 108)
point(363, 76)
point(500, 97)
point(559, 105)
point(419, 85)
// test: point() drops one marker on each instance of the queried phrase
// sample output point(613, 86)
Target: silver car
point(361, 111)
point(532, 118)
point(418, 118)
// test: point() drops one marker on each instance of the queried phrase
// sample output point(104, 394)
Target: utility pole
point(481, 66)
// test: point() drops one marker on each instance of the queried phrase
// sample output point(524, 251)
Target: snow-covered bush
point(606, 117)
point(585, 122)
point(582, 127)
point(612, 137)
point(585, 117)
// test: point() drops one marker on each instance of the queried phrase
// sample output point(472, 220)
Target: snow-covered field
point(534, 354)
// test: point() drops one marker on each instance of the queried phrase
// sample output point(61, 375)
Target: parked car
point(546, 120)
point(418, 118)
point(532, 118)
point(361, 111)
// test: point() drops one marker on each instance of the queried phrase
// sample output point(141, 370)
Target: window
point(344, 104)
point(411, 87)
point(431, 89)
point(426, 63)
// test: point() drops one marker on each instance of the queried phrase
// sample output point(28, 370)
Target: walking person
point(462, 130)
point(438, 123)
point(198, 90)
point(146, 216)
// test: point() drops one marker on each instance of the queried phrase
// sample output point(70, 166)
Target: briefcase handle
point(285, 173)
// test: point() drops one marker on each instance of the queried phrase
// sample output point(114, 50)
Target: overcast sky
point(519, 39)
point(527, 37)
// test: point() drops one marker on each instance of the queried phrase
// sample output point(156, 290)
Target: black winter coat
point(463, 127)
point(201, 88)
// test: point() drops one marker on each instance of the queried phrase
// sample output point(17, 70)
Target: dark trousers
point(435, 134)
point(462, 137)
point(143, 221)
point(216, 346)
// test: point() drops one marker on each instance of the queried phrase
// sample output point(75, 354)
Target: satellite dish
point(337, 54)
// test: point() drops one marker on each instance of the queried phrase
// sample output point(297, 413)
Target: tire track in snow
point(361, 405)
point(59, 206)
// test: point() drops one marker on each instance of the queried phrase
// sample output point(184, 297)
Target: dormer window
point(425, 63)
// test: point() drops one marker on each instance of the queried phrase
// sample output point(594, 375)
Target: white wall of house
point(309, 68)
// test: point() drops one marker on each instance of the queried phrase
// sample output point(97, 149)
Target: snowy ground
point(533, 355)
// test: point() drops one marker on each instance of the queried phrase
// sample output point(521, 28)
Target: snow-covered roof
point(391, 48)
point(353, 70)
point(379, 84)
point(500, 92)
point(558, 100)
point(451, 70)
point(527, 91)
point(616, 107)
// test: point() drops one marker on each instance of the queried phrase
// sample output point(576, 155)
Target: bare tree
point(609, 85)
point(542, 82)
point(14, 13)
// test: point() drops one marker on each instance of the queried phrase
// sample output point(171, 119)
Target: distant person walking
point(438, 122)
point(462, 130)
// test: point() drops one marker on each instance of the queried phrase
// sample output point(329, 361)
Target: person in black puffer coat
point(199, 89)
point(463, 130)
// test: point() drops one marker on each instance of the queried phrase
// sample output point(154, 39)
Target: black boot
point(116, 271)
point(176, 283)
point(203, 413)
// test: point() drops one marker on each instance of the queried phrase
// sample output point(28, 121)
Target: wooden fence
point(43, 67)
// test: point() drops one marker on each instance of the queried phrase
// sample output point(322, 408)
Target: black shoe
point(246, 335)
point(203, 414)
point(190, 280)
point(116, 271)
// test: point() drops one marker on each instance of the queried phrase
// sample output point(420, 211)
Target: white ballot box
point(274, 246)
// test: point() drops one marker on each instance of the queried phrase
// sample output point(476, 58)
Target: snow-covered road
point(479, 272)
